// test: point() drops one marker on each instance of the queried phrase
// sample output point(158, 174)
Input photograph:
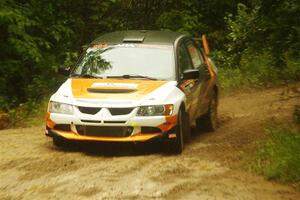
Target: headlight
point(155, 110)
point(55, 107)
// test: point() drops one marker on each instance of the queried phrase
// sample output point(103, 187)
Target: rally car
point(137, 86)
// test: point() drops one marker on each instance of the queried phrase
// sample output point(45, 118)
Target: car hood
point(117, 92)
point(113, 88)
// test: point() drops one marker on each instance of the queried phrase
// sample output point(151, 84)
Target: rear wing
point(203, 44)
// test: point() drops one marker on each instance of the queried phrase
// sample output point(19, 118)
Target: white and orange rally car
point(136, 86)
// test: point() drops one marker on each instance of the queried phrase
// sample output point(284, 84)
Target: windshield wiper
point(85, 76)
point(128, 76)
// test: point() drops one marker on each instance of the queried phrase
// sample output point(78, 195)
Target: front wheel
point(176, 145)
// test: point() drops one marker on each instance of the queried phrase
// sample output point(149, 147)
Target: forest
point(254, 42)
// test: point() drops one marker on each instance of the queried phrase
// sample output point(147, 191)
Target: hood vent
point(108, 90)
point(133, 39)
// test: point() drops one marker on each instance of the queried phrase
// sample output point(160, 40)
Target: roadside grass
point(255, 70)
point(277, 157)
point(28, 114)
point(236, 79)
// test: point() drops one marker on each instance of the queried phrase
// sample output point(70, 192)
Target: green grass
point(278, 156)
point(28, 114)
point(255, 70)
point(233, 79)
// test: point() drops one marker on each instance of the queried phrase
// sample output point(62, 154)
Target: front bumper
point(141, 129)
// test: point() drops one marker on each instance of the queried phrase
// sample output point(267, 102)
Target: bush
point(259, 68)
point(231, 79)
point(27, 114)
point(255, 71)
point(278, 157)
point(292, 70)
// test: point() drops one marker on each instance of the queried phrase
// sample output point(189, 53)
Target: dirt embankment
point(211, 166)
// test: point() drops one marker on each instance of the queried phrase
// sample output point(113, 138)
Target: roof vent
point(133, 39)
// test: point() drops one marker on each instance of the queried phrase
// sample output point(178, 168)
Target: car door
point(200, 102)
point(191, 86)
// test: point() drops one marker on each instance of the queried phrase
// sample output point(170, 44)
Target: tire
point(187, 129)
point(176, 145)
point(59, 142)
point(209, 121)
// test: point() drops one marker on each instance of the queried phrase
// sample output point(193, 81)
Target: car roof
point(139, 36)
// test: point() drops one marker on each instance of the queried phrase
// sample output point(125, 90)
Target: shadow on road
point(108, 149)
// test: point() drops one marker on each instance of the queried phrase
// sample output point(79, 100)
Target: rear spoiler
point(202, 43)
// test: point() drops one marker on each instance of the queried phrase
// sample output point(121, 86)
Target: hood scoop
point(111, 90)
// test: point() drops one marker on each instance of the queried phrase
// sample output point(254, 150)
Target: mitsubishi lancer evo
point(137, 86)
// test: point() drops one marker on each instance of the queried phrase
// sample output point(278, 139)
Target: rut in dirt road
point(209, 168)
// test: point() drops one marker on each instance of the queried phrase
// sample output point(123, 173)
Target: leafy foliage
point(93, 63)
point(257, 39)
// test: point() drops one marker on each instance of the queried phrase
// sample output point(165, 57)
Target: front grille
point(149, 129)
point(89, 110)
point(113, 111)
point(104, 131)
point(120, 111)
point(62, 127)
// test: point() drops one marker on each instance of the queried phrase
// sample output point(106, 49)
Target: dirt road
point(211, 166)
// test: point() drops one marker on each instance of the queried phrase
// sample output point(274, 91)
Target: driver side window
point(184, 59)
point(194, 54)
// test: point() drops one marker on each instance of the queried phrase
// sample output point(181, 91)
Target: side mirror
point(191, 74)
point(64, 71)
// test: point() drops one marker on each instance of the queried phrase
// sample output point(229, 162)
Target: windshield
point(136, 60)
